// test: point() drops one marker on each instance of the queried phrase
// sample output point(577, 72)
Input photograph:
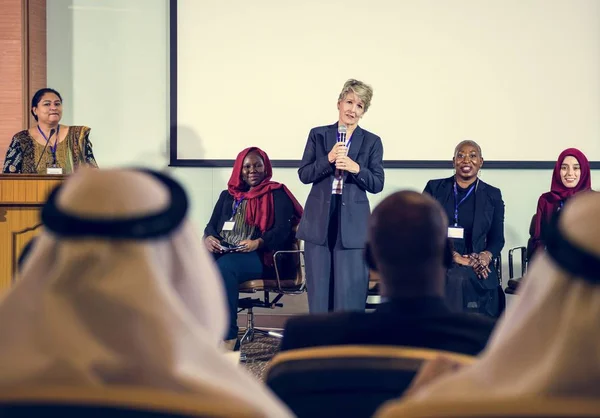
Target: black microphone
point(44, 150)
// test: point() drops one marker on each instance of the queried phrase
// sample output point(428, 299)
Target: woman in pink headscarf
point(571, 175)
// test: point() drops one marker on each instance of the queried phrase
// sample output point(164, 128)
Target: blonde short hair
point(362, 90)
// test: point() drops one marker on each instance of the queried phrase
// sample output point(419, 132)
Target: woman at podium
point(49, 147)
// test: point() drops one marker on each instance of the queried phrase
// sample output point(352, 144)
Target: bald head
point(408, 237)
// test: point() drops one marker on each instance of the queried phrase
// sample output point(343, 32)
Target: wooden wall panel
point(36, 50)
point(22, 64)
point(11, 71)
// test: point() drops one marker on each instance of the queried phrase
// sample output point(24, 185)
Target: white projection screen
point(520, 77)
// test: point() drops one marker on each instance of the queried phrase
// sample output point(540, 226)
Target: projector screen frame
point(175, 161)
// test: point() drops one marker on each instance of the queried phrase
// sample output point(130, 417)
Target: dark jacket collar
point(447, 187)
point(421, 306)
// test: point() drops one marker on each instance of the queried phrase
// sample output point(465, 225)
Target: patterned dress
point(24, 153)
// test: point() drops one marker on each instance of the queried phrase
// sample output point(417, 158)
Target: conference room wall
point(110, 62)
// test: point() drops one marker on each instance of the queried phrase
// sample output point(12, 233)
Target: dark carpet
point(258, 353)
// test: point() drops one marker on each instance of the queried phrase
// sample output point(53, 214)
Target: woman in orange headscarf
point(252, 219)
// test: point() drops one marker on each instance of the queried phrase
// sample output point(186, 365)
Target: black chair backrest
point(530, 240)
point(339, 388)
point(344, 386)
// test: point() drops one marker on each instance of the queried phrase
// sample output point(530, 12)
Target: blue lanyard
point(52, 148)
point(236, 204)
point(457, 203)
point(347, 142)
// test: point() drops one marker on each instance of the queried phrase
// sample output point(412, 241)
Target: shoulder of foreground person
point(321, 320)
point(476, 321)
point(308, 330)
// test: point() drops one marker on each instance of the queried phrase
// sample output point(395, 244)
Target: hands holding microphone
point(339, 154)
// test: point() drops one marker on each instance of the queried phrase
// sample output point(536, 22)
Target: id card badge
point(228, 225)
point(456, 232)
point(54, 170)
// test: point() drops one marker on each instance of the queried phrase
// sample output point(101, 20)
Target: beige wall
point(111, 65)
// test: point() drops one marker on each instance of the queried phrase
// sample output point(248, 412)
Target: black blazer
point(366, 149)
point(488, 224)
point(279, 237)
point(423, 322)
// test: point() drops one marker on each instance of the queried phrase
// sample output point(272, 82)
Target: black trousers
point(465, 292)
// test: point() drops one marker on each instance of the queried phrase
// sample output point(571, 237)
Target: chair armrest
point(498, 265)
point(300, 261)
point(511, 271)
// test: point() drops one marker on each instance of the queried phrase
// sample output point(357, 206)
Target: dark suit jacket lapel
point(331, 137)
point(480, 202)
point(445, 193)
point(357, 139)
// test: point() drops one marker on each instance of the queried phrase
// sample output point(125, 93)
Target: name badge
point(54, 170)
point(456, 232)
point(228, 225)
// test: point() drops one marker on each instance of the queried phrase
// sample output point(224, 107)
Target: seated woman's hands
point(213, 244)
point(462, 260)
point(249, 245)
point(480, 263)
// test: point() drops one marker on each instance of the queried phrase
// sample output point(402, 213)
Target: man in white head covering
point(119, 290)
point(548, 344)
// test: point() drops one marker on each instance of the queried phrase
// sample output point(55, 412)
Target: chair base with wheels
point(248, 304)
point(278, 286)
point(373, 292)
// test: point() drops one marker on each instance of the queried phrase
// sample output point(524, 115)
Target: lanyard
point(347, 142)
point(52, 148)
point(236, 204)
point(338, 173)
point(457, 203)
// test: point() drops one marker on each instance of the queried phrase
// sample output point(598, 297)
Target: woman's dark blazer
point(366, 149)
point(279, 237)
point(488, 225)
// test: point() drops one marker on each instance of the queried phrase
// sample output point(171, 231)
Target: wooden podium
point(21, 198)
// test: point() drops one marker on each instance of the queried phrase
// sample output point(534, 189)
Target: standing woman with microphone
point(342, 162)
point(49, 147)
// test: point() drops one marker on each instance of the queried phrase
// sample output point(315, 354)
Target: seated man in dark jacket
point(409, 249)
